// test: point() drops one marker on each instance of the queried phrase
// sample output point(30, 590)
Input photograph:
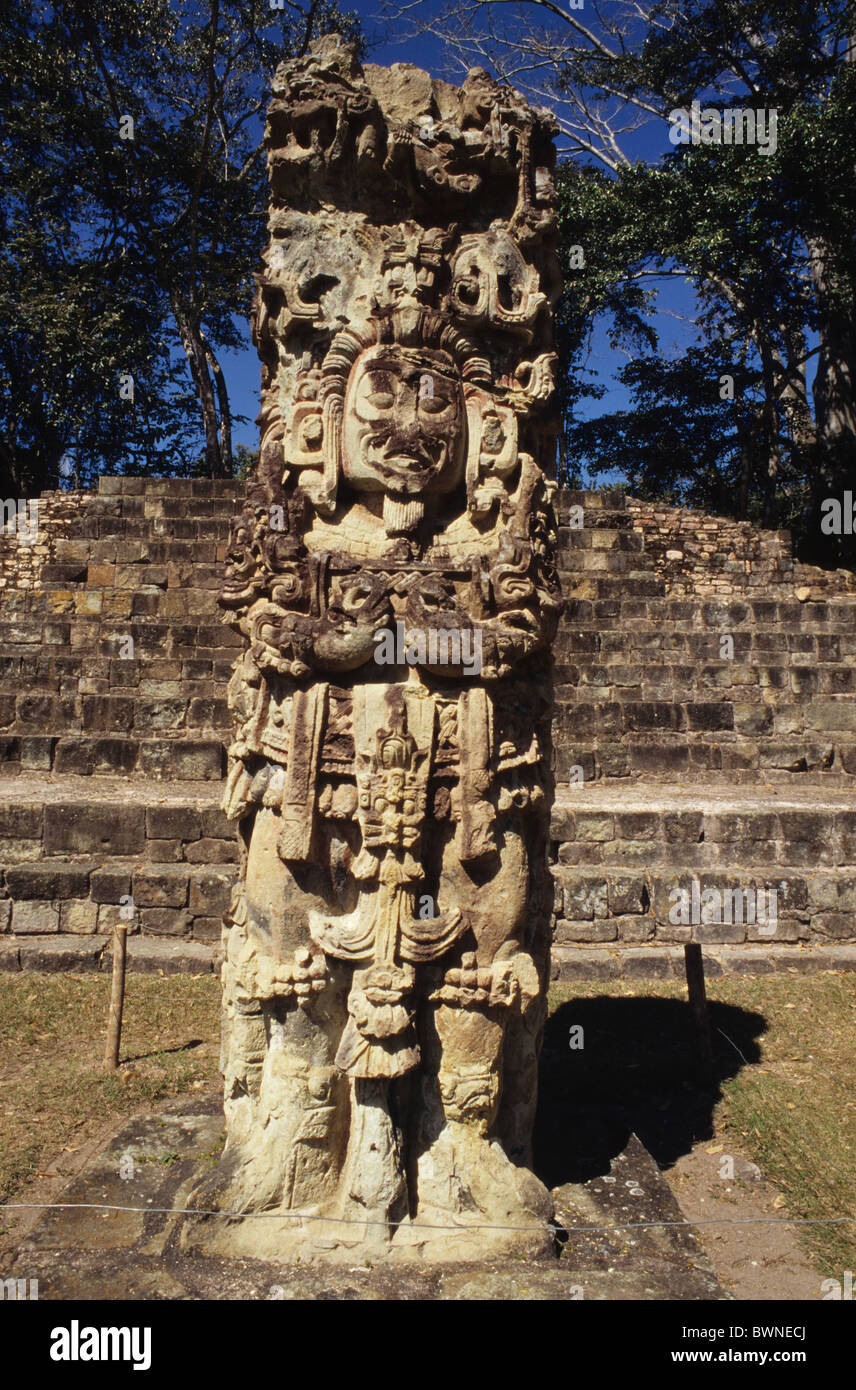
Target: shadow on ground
point(189, 1046)
point(636, 1073)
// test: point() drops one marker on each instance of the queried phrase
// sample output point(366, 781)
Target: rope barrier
point(459, 1229)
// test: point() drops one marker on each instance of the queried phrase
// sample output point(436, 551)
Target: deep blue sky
point(675, 296)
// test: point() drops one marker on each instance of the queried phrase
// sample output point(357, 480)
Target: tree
point(768, 241)
point(135, 209)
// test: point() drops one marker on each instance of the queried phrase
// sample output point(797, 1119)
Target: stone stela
point(386, 952)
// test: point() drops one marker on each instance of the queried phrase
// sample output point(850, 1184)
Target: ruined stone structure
point(393, 576)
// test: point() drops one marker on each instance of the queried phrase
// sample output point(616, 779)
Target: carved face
point(405, 422)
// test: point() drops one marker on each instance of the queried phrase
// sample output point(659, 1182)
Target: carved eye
point(433, 404)
point(467, 291)
point(381, 400)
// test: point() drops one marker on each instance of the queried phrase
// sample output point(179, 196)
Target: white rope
point(459, 1229)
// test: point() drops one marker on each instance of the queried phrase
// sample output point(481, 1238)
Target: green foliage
point(131, 255)
point(767, 241)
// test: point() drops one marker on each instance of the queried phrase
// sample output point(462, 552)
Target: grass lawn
point(785, 1094)
point(53, 1091)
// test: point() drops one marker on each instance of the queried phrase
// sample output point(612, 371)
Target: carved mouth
point(421, 457)
point(414, 463)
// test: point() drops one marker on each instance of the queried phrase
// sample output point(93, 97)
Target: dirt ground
point(763, 1261)
point(751, 1261)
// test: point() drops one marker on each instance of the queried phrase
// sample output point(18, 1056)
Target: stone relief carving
point(386, 953)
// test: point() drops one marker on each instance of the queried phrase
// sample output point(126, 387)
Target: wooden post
point(117, 997)
point(698, 1003)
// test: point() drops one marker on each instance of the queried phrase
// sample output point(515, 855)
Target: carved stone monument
point(386, 953)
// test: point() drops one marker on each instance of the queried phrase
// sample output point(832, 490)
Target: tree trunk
point(743, 437)
point(226, 462)
point(834, 397)
point(794, 391)
point(771, 428)
point(193, 342)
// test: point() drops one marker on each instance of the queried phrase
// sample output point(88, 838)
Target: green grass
point(54, 1093)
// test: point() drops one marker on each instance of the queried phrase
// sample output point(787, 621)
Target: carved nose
point(407, 407)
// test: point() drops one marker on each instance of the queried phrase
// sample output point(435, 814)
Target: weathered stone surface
point(20, 822)
point(47, 879)
point(10, 955)
point(211, 891)
point(32, 917)
point(212, 852)
point(77, 827)
point(151, 956)
point(197, 761)
point(161, 886)
point(165, 921)
point(61, 953)
point(172, 823)
point(79, 916)
point(109, 884)
point(391, 582)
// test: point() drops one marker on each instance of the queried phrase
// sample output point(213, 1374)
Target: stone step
point(152, 955)
point(79, 854)
point(608, 539)
point(775, 615)
point(176, 758)
point(167, 708)
point(169, 487)
point(620, 852)
point(633, 584)
point(830, 716)
point(780, 687)
point(571, 963)
point(73, 954)
point(765, 642)
point(662, 758)
point(91, 895)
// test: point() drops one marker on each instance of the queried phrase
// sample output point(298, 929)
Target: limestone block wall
point(712, 556)
point(72, 858)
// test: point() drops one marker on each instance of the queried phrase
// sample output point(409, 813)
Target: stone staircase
point(113, 658)
point(113, 726)
point(678, 756)
point(681, 756)
point(650, 683)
